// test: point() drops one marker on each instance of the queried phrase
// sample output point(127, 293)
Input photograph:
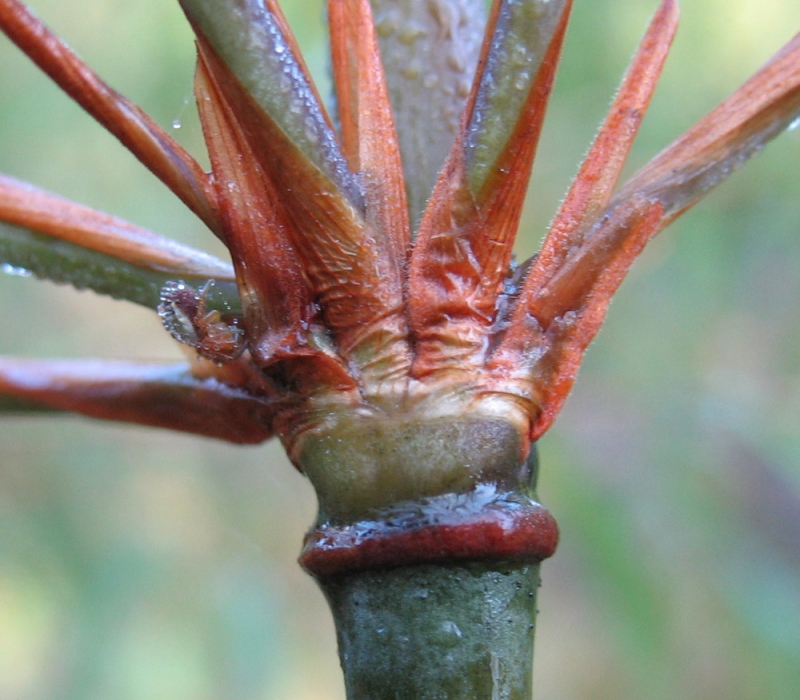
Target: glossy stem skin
point(459, 631)
point(435, 598)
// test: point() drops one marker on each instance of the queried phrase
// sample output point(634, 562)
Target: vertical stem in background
point(430, 51)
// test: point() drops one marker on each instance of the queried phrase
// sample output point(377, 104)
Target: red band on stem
point(454, 527)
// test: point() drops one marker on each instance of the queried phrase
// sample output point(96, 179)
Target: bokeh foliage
point(138, 564)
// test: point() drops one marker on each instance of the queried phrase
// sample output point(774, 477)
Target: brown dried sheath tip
point(725, 139)
point(253, 40)
point(279, 313)
point(428, 80)
point(569, 336)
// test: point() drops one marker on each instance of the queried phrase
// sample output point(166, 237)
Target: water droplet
point(178, 302)
point(451, 628)
point(177, 122)
point(795, 124)
point(522, 80)
point(519, 54)
point(311, 131)
point(569, 318)
point(15, 270)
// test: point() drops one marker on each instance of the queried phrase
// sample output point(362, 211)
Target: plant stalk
point(433, 594)
point(459, 631)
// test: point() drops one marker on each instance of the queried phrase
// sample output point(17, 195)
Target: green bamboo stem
point(433, 592)
point(437, 632)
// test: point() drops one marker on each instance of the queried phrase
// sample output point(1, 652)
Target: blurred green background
point(136, 564)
